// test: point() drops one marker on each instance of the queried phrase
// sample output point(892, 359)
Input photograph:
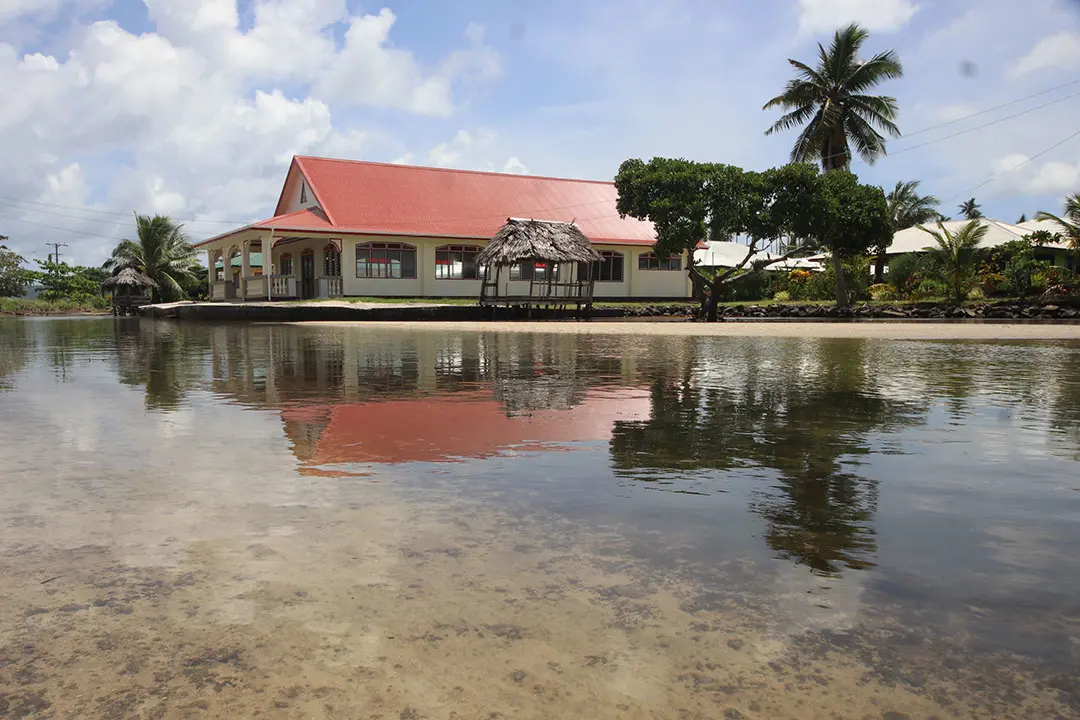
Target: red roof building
point(346, 227)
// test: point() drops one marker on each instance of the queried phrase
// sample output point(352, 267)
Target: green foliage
point(970, 209)
point(957, 255)
point(782, 296)
point(78, 284)
point(830, 104)
point(882, 292)
point(162, 252)
point(907, 208)
point(930, 289)
point(14, 278)
point(1015, 261)
point(907, 271)
point(66, 306)
point(855, 217)
point(1069, 224)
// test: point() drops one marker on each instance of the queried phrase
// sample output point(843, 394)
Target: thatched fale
point(546, 240)
point(130, 277)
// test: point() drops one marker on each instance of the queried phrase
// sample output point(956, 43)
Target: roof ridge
point(453, 170)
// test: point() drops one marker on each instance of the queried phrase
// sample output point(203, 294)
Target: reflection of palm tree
point(818, 513)
point(166, 360)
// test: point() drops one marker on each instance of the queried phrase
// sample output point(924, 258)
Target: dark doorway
point(307, 275)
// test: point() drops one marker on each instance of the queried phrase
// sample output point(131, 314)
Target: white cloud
point(193, 119)
point(1059, 52)
point(954, 111)
point(1054, 177)
point(820, 16)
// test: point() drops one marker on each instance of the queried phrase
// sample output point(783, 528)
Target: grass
point(17, 306)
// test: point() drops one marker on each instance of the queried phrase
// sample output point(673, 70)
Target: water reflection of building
point(396, 397)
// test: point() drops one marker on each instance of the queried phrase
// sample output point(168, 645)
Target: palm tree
point(1070, 224)
point(162, 253)
point(830, 100)
point(1023, 218)
point(970, 209)
point(908, 208)
point(957, 254)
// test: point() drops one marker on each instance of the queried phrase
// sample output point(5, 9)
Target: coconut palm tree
point(1070, 224)
point(957, 254)
point(908, 208)
point(831, 104)
point(970, 209)
point(162, 253)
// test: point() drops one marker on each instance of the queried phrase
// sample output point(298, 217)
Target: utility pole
point(56, 250)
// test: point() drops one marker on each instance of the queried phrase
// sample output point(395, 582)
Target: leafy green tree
point(14, 278)
point(853, 219)
point(957, 254)
point(60, 281)
point(970, 209)
point(162, 252)
point(830, 102)
point(1069, 224)
point(688, 201)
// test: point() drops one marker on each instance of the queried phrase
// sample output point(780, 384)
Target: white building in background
point(725, 254)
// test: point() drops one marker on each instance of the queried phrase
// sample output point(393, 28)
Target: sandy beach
point(886, 330)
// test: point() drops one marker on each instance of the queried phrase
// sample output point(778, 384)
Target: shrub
point(928, 289)
point(882, 292)
point(975, 293)
point(990, 283)
point(820, 286)
point(782, 296)
point(905, 272)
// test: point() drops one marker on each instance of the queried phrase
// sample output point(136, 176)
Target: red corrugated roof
point(389, 199)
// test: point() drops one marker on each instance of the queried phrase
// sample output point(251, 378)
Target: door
point(307, 275)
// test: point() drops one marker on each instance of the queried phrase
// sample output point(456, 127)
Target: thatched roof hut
point(546, 240)
point(130, 278)
point(130, 288)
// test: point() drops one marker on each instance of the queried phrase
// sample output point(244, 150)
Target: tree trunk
point(712, 301)
point(879, 268)
point(841, 282)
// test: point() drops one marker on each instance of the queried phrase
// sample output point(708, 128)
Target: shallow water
point(356, 522)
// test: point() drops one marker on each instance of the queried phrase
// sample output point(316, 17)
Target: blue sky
point(193, 107)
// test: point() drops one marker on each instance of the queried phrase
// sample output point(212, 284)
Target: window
point(456, 262)
point(285, 262)
point(649, 261)
point(303, 193)
point(385, 260)
point(609, 268)
point(536, 271)
point(331, 261)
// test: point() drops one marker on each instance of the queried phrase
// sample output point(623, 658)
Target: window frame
point(606, 257)
point(331, 250)
point(283, 259)
point(386, 247)
point(303, 193)
point(649, 262)
point(536, 265)
point(462, 250)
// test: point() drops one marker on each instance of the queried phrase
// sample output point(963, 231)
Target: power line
point(112, 212)
point(9, 206)
point(991, 109)
point(968, 130)
point(54, 227)
point(1014, 168)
